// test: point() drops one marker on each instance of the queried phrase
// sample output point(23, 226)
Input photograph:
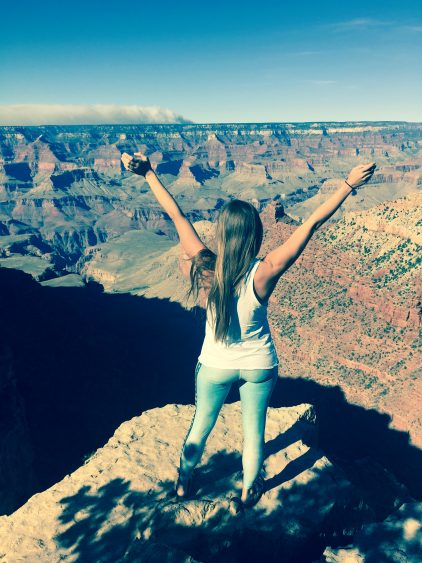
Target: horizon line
point(191, 123)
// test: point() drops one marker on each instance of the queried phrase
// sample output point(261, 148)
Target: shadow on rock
point(84, 361)
point(116, 523)
point(348, 432)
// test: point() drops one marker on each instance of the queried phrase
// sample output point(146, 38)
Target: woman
point(238, 345)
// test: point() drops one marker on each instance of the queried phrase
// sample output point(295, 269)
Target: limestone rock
point(398, 539)
point(120, 504)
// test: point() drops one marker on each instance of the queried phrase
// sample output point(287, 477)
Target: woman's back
point(249, 344)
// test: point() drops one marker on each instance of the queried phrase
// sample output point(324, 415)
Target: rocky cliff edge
point(120, 505)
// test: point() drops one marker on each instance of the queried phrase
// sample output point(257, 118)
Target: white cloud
point(305, 53)
point(321, 81)
point(417, 28)
point(94, 114)
point(357, 23)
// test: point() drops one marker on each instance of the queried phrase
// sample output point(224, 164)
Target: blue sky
point(218, 61)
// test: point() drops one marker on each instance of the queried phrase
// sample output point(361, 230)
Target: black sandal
point(255, 492)
point(236, 505)
point(186, 483)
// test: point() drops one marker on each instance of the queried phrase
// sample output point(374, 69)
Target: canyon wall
point(346, 314)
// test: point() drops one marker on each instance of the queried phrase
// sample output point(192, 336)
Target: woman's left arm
point(189, 239)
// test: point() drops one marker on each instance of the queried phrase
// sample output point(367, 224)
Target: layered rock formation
point(120, 505)
point(346, 314)
point(349, 311)
point(67, 185)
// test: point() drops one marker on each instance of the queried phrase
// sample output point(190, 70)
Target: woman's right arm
point(281, 258)
point(357, 177)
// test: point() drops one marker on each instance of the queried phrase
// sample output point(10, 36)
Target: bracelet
point(353, 188)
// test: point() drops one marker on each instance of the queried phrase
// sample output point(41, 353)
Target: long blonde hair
point(239, 234)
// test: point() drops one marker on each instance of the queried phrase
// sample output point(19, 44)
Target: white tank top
point(249, 343)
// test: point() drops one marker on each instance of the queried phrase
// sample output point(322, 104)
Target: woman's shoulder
point(262, 280)
point(255, 264)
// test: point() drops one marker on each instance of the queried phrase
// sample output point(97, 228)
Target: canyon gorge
point(94, 316)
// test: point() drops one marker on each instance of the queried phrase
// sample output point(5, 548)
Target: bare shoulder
point(265, 279)
point(265, 270)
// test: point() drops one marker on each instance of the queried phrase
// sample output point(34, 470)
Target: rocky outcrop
point(386, 307)
point(216, 152)
point(401, 217)
point(397, 539)
point(186, 176)
point(360, 289)
point(120, 504)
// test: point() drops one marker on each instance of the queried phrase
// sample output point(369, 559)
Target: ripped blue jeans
point(212, 386)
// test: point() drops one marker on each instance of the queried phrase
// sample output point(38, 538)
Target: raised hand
point(361, 174)
point(138, 163)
